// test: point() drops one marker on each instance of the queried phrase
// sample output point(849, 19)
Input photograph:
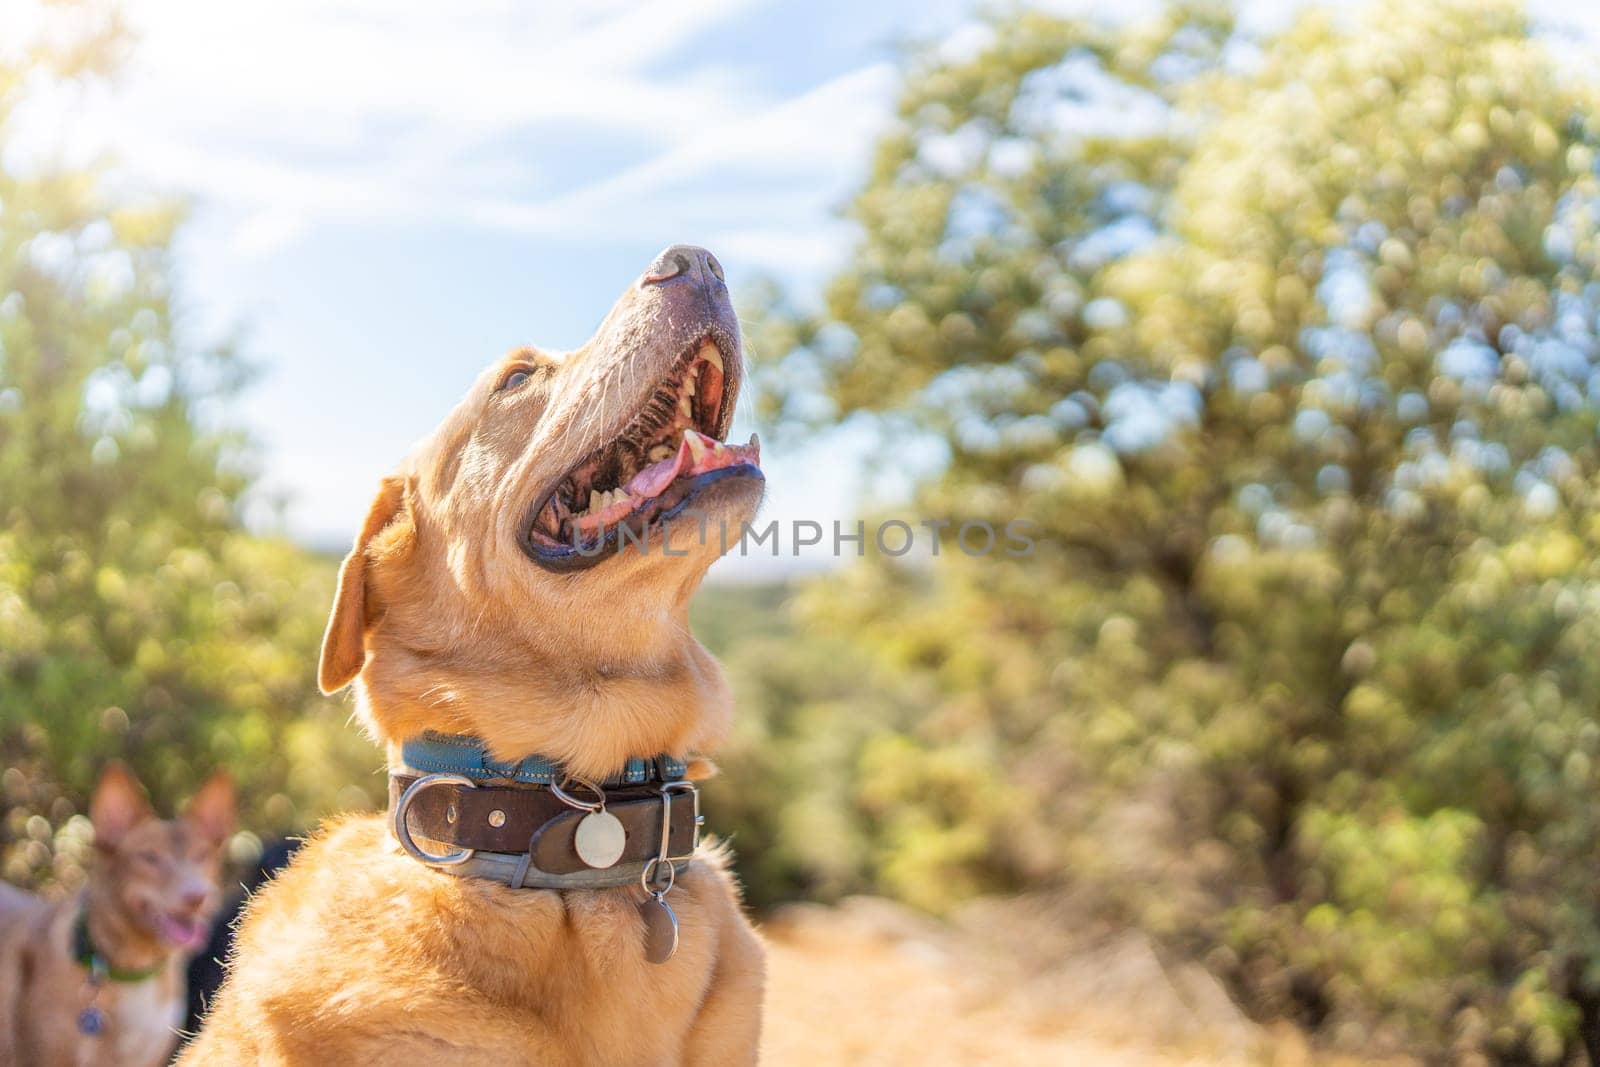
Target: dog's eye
point(515, 377)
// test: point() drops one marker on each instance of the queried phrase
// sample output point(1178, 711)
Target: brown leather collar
point(530, 830)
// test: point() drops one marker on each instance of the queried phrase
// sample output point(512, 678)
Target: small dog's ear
point(344, 645)
point(118, 805)
point(211, 809)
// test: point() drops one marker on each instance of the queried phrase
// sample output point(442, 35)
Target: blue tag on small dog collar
point(91, 1021)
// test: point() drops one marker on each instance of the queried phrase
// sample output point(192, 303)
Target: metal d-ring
point(402, 832)
point(573, 802)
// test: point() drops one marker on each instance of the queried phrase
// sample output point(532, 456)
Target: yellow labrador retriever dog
point(98, 978)
point(514, 619)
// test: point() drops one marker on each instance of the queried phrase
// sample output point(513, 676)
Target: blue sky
point(390, 193)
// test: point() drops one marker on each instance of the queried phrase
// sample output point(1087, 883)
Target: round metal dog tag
point(600, 839)
point(660, 928)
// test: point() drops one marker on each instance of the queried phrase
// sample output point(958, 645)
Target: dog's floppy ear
point(344, 645)
point(211, 810)
point(117, 805)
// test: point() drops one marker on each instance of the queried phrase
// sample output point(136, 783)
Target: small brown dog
point(98, 979)
point(514, 616)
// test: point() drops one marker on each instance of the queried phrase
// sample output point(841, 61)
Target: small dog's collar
point(99, 967)
point(436, 753)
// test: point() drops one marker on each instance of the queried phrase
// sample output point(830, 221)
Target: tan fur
point(142, 866)
point(358, 954)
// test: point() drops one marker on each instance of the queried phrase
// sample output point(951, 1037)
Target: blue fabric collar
point(436, 753)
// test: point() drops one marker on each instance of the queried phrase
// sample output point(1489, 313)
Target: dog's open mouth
point(667, 454)
point(182, 931)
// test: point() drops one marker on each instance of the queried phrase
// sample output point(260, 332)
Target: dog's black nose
point(685, 264)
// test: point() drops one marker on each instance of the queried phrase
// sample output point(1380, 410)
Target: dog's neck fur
point(120, 940)
point(589, 715)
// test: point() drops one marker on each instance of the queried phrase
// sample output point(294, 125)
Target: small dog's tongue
point(182, 933)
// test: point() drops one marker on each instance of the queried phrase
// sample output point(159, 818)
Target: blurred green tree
point(1287, 348)
point(137, 618)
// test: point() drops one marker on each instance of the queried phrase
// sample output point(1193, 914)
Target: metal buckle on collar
point(666, 791)
point(402, 832)
point(663, 859)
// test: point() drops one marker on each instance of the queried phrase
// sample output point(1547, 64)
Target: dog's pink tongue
point(183, 933)
point(656, 477)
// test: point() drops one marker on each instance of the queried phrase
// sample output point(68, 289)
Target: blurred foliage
point(1287, 347)
point(137, 618)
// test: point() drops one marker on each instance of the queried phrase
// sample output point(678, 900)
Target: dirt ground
point(868, 983)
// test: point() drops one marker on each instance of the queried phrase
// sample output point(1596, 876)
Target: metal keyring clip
point(647, 877)
point(402, 832)
point(573, 802)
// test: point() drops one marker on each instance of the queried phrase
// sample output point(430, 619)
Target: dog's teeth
point(594, 500)
point(660, 452)
point(691, 383)
point(686, 405)
point(697, 446)
point(712, 356)
point(550, 517)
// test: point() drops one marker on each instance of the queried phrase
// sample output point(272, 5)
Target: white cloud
point(800, 146)
point(278, 114)
point(266, 231)
point(284, 115)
